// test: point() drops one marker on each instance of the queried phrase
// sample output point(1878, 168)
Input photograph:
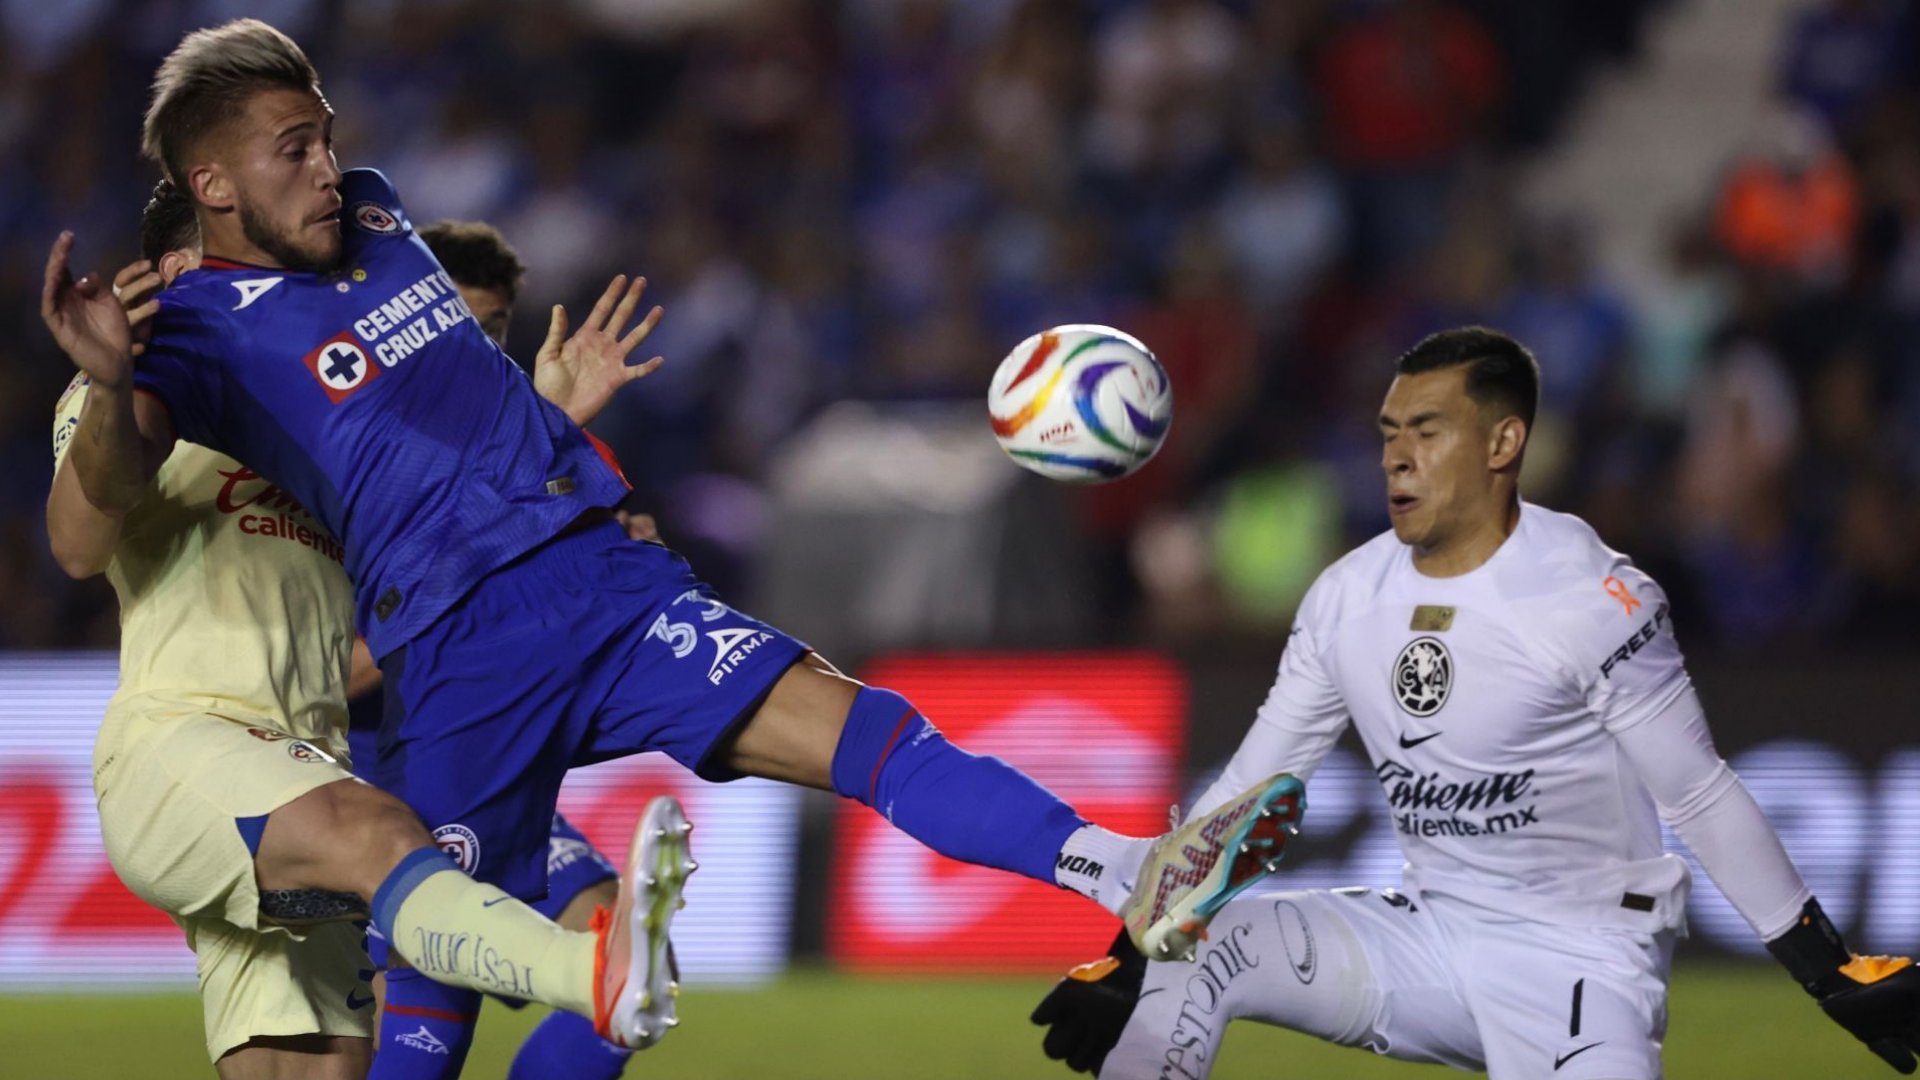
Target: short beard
point(261, 234)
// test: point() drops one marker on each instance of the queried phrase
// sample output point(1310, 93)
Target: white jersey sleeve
point(1625, 656)
point(1638, 689)
point(1302, 716)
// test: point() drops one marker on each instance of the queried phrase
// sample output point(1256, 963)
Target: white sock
point(1100, 865)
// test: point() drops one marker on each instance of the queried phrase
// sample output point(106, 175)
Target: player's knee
point(343, 836)
point(382, 828)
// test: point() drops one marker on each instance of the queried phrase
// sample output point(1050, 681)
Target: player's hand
point(87, 322)
point(640, 527)
point(138, 286)
point(1877, 998)
point(1085, 1012)
point(581, 373)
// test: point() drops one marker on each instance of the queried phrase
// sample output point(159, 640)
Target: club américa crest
point(1423, 676)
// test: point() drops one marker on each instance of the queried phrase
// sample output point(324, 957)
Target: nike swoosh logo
point(1408, 744)
point(355, 1001)
point(1145, 994)
point(495, 900)
point(1559, 1061)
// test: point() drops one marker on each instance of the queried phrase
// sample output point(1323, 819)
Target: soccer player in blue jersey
point(519, 631)
point(487, 272)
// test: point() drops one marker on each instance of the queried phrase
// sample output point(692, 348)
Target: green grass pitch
point(1730, 1022)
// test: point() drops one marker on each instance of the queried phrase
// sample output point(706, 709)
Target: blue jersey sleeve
point(181, 365)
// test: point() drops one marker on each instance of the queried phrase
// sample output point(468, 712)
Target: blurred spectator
point(1561, 310)
point(1407, 85)
point(1282, 222)
point(1839, 54)
point(1793, 205)
point(1678, 319)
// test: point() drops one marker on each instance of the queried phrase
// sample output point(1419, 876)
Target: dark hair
point(1500, 371)
point(206, 80)
point(167, 224)
point(475, 255)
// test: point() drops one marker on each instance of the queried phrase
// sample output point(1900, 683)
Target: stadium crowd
point(877, 198)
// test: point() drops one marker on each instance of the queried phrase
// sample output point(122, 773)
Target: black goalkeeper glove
point(1086, 1012)
point(1877, 998)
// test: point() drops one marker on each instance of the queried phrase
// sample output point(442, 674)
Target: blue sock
point(976, 809)
point(426, 1028)
point(564, 1047)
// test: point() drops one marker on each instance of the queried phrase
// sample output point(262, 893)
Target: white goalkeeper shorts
point(1419, 981)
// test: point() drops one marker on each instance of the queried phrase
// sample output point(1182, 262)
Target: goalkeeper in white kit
point(1528, 714)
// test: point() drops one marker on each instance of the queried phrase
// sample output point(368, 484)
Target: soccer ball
point(1081, 403)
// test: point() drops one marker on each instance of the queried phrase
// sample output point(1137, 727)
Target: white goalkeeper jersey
point(1489, 704)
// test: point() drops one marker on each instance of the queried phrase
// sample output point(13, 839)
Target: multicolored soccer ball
point(1081, 403)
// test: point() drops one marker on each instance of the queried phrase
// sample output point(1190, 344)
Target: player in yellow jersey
point(223, 795)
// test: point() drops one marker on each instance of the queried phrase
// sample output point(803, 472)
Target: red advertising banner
point(67, 921)
point(1105, 731)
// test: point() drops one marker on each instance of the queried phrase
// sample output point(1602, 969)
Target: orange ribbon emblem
point(1618, 590)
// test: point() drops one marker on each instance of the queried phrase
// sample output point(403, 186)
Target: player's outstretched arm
point(116, 448)
point(581, 373)
point(1876, 998)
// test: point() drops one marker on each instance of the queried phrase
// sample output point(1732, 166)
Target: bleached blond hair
point(206, 80)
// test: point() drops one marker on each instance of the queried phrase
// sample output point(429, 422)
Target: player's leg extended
point(819, 728)
point(823, 730)
point(352, 837)
point(1294, 960)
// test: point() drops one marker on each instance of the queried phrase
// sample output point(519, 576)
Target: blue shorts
point(574, 865)
point(588, 648)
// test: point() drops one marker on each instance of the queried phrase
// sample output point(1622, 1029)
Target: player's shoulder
point(201, 303)
point(370, 204)
point(1559, 553)
point(1575, 589)
point(1353, 580)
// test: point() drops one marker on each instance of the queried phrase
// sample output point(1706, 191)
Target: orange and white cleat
point(636, 985)
point(1191, 872)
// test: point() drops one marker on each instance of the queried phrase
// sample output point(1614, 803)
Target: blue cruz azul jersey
point(373, 397)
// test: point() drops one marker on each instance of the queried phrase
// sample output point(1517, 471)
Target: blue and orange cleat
point(1191, 872)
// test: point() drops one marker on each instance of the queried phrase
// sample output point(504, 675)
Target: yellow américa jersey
point(233, 600)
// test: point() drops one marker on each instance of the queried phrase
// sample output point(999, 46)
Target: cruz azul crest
point(1423, 676)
